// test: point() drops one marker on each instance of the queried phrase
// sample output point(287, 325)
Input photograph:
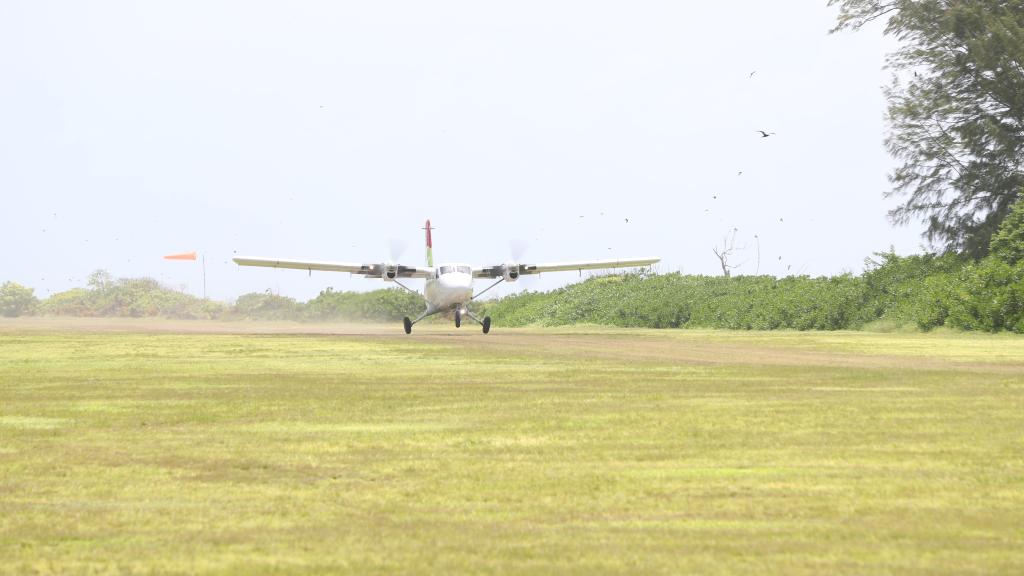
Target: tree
point(16, 300)
point(725, 252)
point(956, 112)
point(1008, 242)
point(100, 280)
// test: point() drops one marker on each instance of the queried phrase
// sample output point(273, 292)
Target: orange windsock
point(182, 256)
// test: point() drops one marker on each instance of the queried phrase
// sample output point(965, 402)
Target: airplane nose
point(456, 280)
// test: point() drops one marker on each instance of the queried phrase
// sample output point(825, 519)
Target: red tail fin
point(430, 246)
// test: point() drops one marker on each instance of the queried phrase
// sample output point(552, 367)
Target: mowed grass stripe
point(609, 451)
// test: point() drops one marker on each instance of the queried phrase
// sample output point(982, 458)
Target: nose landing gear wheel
point(487, 324)
point(408, 325)
point(458, 319)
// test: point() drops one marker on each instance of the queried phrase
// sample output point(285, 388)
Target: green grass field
point(131, 449)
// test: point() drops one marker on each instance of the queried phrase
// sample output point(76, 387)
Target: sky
point(332, 130)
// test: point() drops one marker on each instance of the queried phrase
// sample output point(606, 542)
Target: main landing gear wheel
point(486, 324)
point(408, 325)
point(458, 319)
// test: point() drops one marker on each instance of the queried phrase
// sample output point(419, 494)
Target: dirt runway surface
point(668, 347)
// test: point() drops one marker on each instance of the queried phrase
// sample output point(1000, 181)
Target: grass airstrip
point(127, 447)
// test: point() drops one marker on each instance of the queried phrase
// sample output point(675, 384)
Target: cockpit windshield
point(449, 269)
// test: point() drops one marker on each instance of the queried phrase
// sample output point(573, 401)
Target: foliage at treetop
point(956, 112)
point(1008, 242)
point(16, 300)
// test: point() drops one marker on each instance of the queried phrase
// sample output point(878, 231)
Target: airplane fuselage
point(451, 286)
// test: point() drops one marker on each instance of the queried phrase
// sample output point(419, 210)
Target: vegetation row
point(926, 291)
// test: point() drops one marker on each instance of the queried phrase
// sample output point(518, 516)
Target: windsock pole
point(193, 257)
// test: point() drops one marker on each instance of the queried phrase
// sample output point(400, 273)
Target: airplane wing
point(501, 269)
point(369, 270)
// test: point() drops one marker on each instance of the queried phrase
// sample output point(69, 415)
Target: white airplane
point(449, 286)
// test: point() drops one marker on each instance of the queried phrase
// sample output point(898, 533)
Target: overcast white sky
point(323, 130)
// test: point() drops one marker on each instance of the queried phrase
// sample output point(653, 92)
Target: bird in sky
point(627, 220)
point(765, 134)
point(714, 197)
point(780, 219)
point(740, 173)
point(752, 74)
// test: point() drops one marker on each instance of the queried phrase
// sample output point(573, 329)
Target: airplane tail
point(430, 246)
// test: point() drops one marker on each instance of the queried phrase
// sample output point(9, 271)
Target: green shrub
point(265, 306)
point(989, 296)
point(388, 305)
point(1008, 242)
point(909, 289)
point(16, 300)
point(128, 297)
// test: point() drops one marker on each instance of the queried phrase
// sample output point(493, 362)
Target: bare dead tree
point(726, 252)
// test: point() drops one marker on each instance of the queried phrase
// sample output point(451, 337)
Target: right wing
point(368, 270)
point(499, 270)
point(586, 265)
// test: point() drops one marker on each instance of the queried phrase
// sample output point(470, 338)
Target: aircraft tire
point(487, 324)
point(458, 319)
point(408, 325)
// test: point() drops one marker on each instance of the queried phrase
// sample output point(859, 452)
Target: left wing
point(385, 270)
point(511, 270)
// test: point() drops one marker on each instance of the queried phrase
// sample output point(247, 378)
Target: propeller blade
point(396, 248)
point(517, 248)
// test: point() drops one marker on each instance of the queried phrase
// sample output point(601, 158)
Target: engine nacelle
point(389, 271)
point(510, 271)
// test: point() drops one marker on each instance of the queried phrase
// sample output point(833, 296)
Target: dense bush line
point(921, 291)
point(925, 291)
point(145, 297)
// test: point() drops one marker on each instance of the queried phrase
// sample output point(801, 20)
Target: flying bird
point(765, 134)
point(752, 74)
point(740, 173)
point(627, 220)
